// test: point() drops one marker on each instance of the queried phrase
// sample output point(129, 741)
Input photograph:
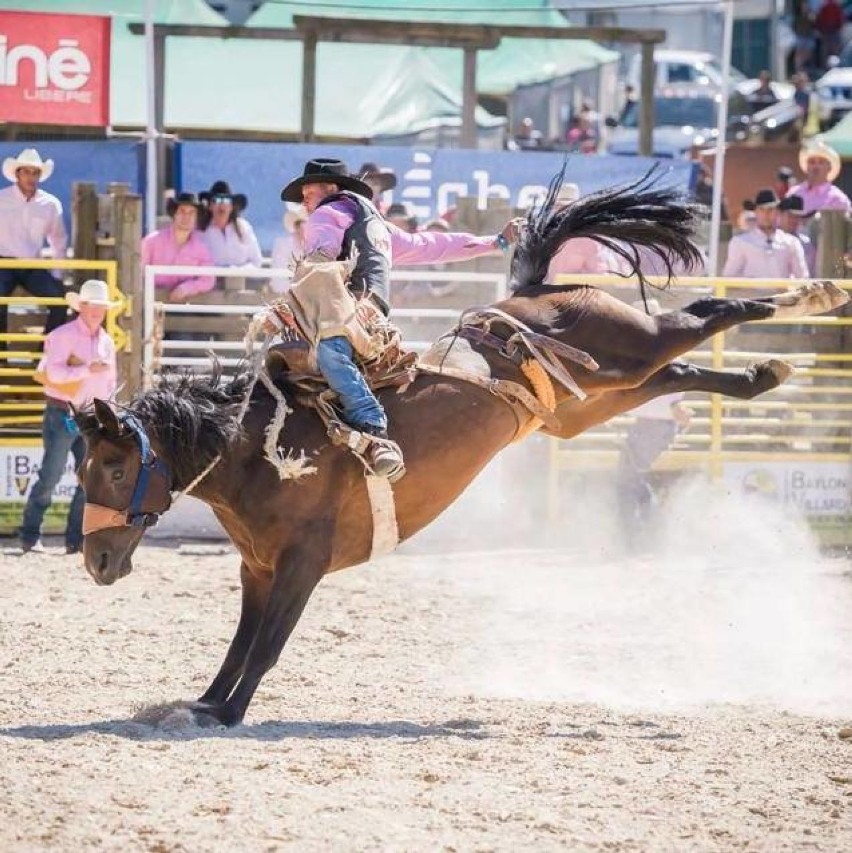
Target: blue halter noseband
point(97, 517)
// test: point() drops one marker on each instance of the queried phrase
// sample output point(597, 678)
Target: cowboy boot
point(384, 455)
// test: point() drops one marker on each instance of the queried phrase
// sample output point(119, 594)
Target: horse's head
point(127, 488)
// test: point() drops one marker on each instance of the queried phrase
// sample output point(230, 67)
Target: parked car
point(687, 120)
point(834, 89)
point(698, 70)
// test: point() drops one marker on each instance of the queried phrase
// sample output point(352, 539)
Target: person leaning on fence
point(821, 165)
point(29, 216)
point(78, 365)
point(229, 237)
point(342, 218)
point(180, 244)
point(765, 251)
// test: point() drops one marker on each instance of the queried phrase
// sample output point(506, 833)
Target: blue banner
point(429, 180)
point(95, 161)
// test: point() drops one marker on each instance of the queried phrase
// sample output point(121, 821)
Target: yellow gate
point(798, 436)
point(21, 398)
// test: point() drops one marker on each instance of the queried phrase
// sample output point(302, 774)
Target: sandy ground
point(517, 700)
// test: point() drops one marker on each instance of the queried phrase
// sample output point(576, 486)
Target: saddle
point(322, 306)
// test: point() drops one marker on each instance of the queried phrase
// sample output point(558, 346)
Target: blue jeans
point(37, 283)
point(59, 441)
point(335, 358)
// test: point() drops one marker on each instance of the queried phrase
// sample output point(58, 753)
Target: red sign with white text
point(54, 69)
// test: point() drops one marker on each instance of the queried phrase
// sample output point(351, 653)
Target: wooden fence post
point(831, 246)
point(84, 225)
point(127, 220)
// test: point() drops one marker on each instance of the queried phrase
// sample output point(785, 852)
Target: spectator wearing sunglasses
point(765, 251)
point(228, 236)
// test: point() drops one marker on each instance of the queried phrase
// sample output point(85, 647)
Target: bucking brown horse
point(292, 532)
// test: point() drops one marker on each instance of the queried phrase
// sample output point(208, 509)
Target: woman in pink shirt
point(180, 244)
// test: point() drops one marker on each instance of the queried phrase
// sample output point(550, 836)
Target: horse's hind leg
point(677, 331)
point(743, 385)
point(255, 597)
point(576, 416)
point(813, 297)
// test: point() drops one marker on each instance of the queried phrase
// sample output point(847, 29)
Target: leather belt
point(54, 403)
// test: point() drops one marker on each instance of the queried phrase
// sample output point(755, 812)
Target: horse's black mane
point(641, 214)
point(192, 417)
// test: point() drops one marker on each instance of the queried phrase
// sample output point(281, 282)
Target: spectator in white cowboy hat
point(791, 215)
point(380, 180)
point(180, 244)
point(287, 248)
point(765, 251)
point(821, 165)
point(228, 235)
point(581, 255)
point(29, 216)
point(79, 364)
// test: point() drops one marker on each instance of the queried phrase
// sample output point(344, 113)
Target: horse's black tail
point(623, 219)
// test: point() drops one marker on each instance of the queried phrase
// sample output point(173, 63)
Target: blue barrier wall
point(97, 161)
point(429, 179)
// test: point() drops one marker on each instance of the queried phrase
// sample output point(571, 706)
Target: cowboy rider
point(341, 216)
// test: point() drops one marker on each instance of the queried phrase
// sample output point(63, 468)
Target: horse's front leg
point(296, 576)
point(256, 589)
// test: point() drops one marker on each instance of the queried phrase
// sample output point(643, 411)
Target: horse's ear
point(107, 418)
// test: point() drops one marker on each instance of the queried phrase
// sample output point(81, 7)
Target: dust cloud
point(732, 602)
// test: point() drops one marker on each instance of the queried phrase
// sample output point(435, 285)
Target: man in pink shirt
point(78, 365)
point(341, 216)
point(821, 165)
point(181, 244)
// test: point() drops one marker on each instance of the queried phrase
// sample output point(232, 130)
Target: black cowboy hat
point(766, 198)
point(386, 178)
point(794, 204)
point(222, 189)
point(182, 198)
point(324, 171)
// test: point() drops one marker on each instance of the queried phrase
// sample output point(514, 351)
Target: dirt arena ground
point(543, 699)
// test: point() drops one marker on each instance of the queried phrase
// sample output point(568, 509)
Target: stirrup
point(398, 470)
point(360, 444)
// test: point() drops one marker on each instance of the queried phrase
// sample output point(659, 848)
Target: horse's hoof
point(833, 295)
point(813, 297)
point(781, 370)
point(212, 716)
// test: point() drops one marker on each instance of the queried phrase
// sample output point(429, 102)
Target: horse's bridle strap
point(97, 517)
